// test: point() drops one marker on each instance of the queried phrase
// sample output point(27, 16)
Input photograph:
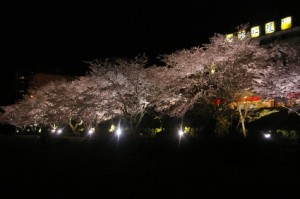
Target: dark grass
point(208, 168)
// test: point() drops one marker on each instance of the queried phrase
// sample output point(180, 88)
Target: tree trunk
point(243, 127)
point(242, 120)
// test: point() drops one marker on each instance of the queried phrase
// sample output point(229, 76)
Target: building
point(22, 79)
point(26, 80)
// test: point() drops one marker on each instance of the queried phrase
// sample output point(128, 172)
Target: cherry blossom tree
point(180, 81)
point(219, 70)
point(43, 106)
point(76, 103)
point(124, 86)
point(112, 88)
point(21, 114)
point(282, 82)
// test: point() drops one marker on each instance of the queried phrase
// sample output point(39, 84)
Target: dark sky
point(61, 34)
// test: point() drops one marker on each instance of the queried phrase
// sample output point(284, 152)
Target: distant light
point(286, 23)
point(59, 131)
point(187, 129)
point(270, 27)
point(267, 135)
point(118, 131)
point(53, 130)
point(112, 128)
point(91, 131)
point(255, 31)
point(180, 132)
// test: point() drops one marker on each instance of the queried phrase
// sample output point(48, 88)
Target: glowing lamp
point(91, 131)
point(118, 131)
point(59, 131)
point(267, 135)
point(180, 133)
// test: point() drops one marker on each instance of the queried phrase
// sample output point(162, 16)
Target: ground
point(212, 168)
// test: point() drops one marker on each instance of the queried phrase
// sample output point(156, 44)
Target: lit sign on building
point(241, 34)
point(229, 37)
point(255, 31)
point(286, 23)
point(270, 27)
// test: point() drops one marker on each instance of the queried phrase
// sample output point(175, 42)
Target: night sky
point(60, 35)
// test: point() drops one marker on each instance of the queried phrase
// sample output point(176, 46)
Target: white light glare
point(119, 131)
point(59, 131)
point(91, 131)
point(267, 135)
point(180, 132)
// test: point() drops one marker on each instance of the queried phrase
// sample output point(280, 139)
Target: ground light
point(59, 131)
point(118, 133)
point(91, 132)
point(267, 136)
point(180, 135)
